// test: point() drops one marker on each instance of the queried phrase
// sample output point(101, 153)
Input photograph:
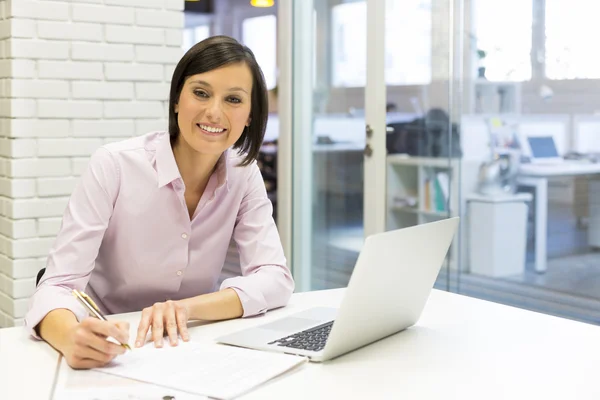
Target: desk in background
point(462, 348)
point(537, 176)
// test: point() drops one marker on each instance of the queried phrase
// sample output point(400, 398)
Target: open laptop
point(543, 150)
point(387, 292)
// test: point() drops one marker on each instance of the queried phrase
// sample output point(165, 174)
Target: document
point(213, 370)
point(93, 385)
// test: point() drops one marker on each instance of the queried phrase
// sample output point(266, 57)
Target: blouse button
point(179, 273)
point(184, 235)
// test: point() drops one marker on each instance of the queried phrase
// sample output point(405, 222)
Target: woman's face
point(214, 108)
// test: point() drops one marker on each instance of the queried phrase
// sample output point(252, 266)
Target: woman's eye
point(234, 100)
point(200, 93)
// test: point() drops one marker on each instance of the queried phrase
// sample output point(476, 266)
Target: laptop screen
point(542, 147)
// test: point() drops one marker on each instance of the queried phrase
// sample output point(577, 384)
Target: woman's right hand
point(87, 346)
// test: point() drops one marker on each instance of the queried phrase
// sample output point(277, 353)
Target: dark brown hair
point(213, 53)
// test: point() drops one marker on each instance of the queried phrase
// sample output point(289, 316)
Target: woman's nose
point(213, 111)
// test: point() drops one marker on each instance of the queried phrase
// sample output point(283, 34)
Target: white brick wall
point(39, 89)
point(103, 90)
point(70, 31)
point(74, 75)
point(133, 72)
point(40, 9)
point(22, 69)
point(38, 49)
point(102, 52)
point(136, 35)
point(164, 19)
point(70, 70)
point(103, 14)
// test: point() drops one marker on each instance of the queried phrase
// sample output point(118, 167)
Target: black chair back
point(39, 276)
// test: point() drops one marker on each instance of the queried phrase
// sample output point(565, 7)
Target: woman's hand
point(172, 315)
point(87, 345)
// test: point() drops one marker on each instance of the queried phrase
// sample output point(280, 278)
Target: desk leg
point(541, 218)
point(594, 213)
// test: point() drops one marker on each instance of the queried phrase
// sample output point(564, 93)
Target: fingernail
point(137, 344)
point(159, 343)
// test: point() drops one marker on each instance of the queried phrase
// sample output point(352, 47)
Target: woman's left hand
point(171, 316)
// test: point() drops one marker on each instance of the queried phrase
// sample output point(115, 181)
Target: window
point(407, 61)
point(503, 31)
point(193, 35)
point(349, 44)
point(260, 35)
point(196, 28)
point(408, 42)
point(572, 30)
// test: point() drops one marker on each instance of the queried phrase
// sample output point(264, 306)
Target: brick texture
point(74, 75)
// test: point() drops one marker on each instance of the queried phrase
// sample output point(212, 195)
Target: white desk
point(462, 348)
point(27, 367)
point(536, 176)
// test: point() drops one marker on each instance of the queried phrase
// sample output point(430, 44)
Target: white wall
point(73, 75)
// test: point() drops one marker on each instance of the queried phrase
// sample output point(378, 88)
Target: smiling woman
point(149, 224)
point(219, 76)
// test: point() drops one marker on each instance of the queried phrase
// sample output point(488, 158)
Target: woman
point(150, 222)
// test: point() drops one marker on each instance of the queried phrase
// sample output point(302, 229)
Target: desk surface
point(567, 168)
point(462, 348)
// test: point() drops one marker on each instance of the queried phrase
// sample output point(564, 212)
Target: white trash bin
point(497, 234)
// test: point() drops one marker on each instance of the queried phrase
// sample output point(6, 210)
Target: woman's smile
point(211, 129)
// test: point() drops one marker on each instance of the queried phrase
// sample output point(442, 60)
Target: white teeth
point(211, 129)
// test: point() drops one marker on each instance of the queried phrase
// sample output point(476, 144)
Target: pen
point(93, 310)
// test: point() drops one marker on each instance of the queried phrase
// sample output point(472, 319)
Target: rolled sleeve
point(269, 287)
point(266, 281)
point(50, 298)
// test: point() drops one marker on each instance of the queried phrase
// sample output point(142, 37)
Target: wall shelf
point(431, 189)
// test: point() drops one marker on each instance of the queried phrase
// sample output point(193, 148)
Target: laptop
point(543, 150)
point(388, 289)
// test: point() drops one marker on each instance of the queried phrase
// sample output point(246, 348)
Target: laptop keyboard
point(312, 339)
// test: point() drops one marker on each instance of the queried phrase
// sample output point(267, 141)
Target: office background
point(77, 74)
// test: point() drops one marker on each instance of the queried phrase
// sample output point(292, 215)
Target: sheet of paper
point(213, 370)
point(93, 385)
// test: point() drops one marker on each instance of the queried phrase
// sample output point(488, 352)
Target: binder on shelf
point(436, 191)
point(443, 191)
point(427, 201)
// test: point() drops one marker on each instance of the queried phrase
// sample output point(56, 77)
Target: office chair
point(427, 136)
point(39, 276)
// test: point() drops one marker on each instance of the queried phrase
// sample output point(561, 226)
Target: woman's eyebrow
point(201, 82)
point(233, 89)
point(238, 89)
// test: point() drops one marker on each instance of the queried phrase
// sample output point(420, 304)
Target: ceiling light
point(262, 3)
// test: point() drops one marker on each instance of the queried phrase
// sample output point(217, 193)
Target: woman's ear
point(176, 108)
point(248, 122)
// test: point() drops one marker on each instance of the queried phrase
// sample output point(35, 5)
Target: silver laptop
point(388, 289)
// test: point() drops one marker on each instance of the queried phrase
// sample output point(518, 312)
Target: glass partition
point(329, 138)
point(531, 130)
point(498, 126)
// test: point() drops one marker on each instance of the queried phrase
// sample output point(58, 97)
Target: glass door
point(422, 95)
point(362, 74)
point(326, 140)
